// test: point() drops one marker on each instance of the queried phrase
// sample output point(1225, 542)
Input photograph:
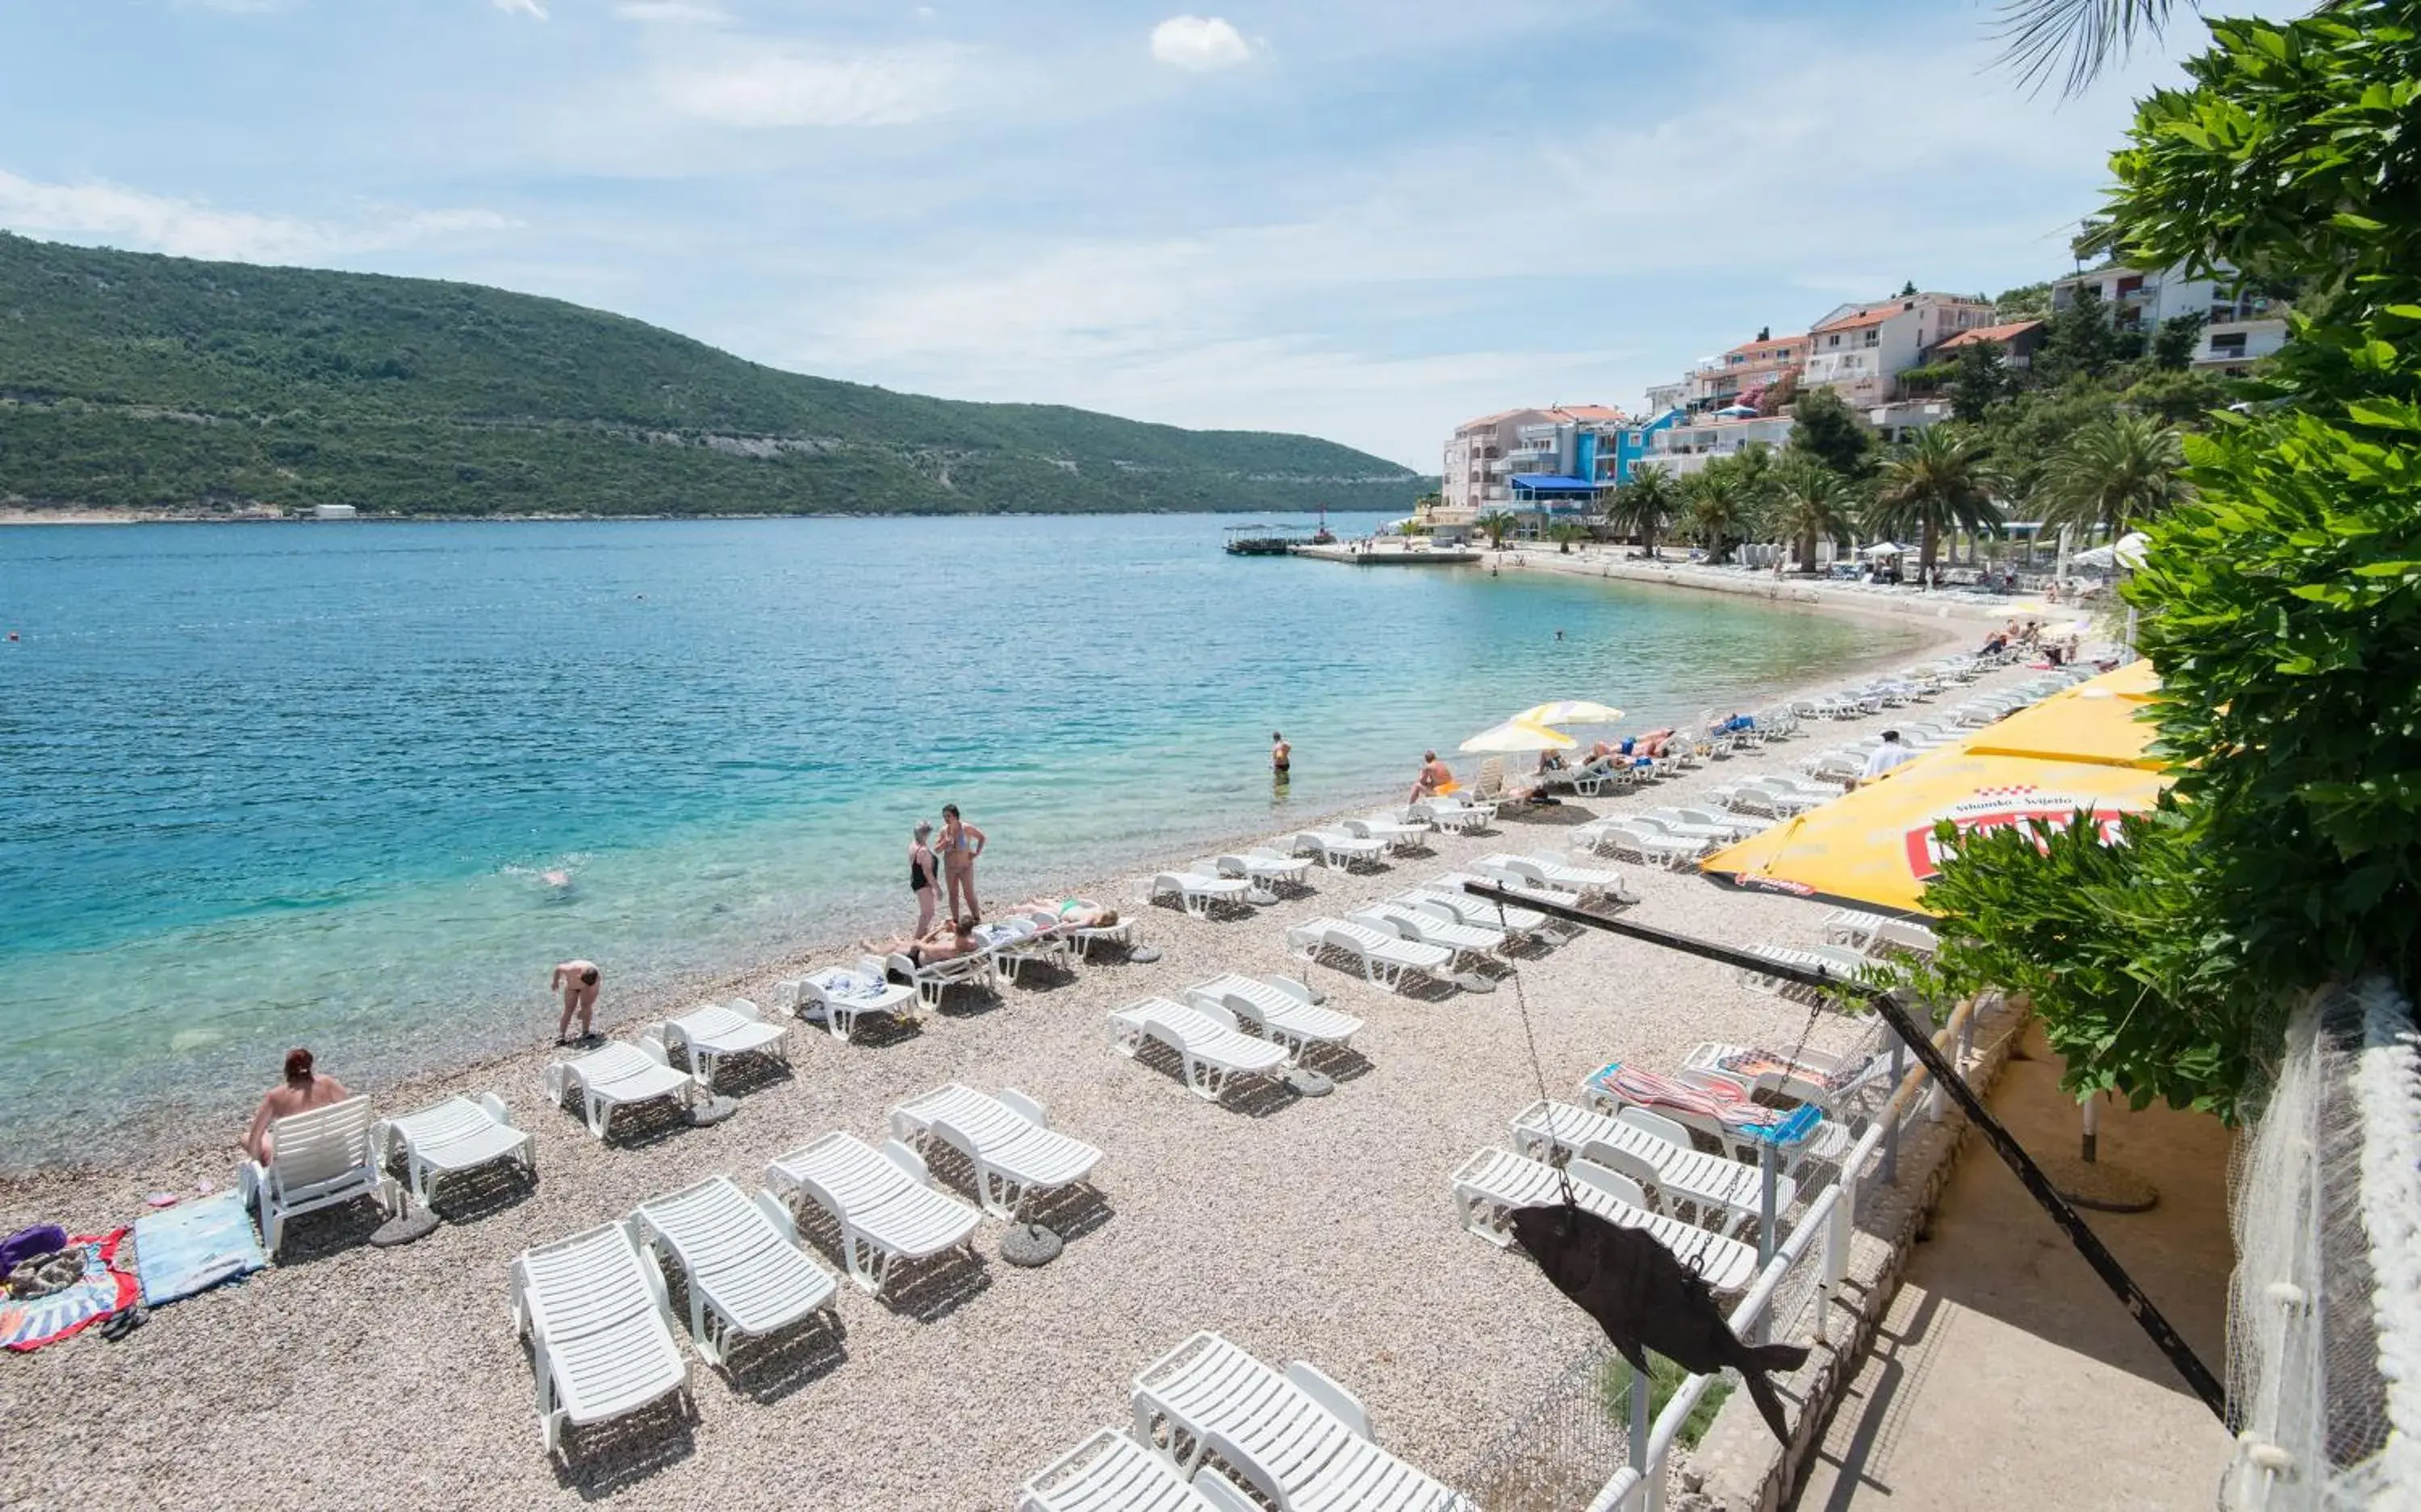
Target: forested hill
point(131, 380)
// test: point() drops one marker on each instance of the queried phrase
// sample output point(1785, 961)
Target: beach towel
point(194, 1247)
point(848, 984)
point(101, 1292)
point(1754, 1064)
point(1724, 1104)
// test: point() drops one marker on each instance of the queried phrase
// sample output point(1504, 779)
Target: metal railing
point(1822, 1237)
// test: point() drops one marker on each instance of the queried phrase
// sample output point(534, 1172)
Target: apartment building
point(2019, 340)
point(1859, 350)
point(1514, 459)
point(1475, 473)
point(2242, 328)
point(1686, 446)
point(1746, 371)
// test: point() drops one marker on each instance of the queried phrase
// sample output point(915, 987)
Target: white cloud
point(522, 7)
point(675, 12)
point(788, 86)
point(143, 222)
point(1198, 43)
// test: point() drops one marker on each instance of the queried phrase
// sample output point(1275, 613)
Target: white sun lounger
point(1336, 848)
point(1640, 843)
point(1545, 872)
point(1723, 1193)
point(1111, 1473)
point(840, 995)
point(454, 1136)
point(709, 1034)
point(1386, 957)
point(1450, 815)
point(1446, 892)
point(1300, 1439)
point(1877, 934)
point(616, 1077)
point(746, 1272)
point(1196, 891)
point(933, 978)
point(885, 1201)
point(319, 1158)
point(1494, 1182)
point(1844, 965)
point(1280, 1008)
point(1014, 939)
point(1470, 944)
point(1264, 865)
point(1829, 1082)
point(1392, 832)
point(1206, 1039)
point(595, 1315)
point(1007, 1138)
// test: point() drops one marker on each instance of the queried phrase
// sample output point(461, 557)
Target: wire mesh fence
point(2324, 1313)
point(1575, 1435)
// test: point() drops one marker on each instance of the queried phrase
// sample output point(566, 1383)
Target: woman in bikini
point(921, 880)
point(961, 843)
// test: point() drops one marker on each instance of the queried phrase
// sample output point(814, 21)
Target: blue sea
point(300, 784)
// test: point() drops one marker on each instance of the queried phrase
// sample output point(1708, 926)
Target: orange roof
point(1865, 314)
point(1990, 332)
point(1756, 349)
point(1589, 412)
point(1498, 418)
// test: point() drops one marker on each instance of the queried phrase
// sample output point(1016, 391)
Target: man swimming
point(1281, 754)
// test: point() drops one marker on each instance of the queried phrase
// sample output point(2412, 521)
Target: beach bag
point(30, 1243)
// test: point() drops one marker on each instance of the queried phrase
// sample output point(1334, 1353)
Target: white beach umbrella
point(1883, 548)
point(1569, 711)
point(1515, 736)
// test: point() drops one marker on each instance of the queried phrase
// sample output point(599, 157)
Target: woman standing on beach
point(920, 879)
point(961, 843)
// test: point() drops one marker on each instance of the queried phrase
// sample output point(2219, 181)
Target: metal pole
point(1642, 1421)
point(2139, 1306)
point(1891, 1129)
point(2092, 1127)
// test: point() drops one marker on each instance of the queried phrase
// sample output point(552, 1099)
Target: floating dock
point(1391, 554)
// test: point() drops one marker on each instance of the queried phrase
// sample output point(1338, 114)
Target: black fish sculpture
point(1645, 1298)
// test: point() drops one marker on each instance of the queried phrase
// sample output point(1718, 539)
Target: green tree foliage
point(2079, 342)
point(2179, 399)
point(2027, 301)
point(1825, 428)
point(1645, 505)
point(1940, 482)
point(1496, 527)
point(1811, 502)
point(1563, 533)
point(159, 382)
point(2025, 432)
point(2281, 605)
point(1979, 378)
point(2121, 471)
point(2173, 343)
point(1723, 502)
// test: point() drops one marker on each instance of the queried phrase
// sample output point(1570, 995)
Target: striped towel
point(1722, 1105)
point(1760, 1062)
point(101, 1291)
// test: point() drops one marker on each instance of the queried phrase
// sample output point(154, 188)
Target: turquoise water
point(284, 785)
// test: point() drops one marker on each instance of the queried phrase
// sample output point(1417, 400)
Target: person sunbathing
point(1073, 913)
point(955, 939)
point(300, 1092)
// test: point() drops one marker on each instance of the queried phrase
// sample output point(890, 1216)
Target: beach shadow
point(1072, 1212)
point(969, 1003)
point(1044, 975)
point(931, 1289)
point(880, 1031)
point(769, 1369)
point(606, 1458)
point(1547, 816)
point(310, 1237)
point(471, 1196)
point(1340, 1064)
point(639, 1126)
point(1255, 1096)
point(1427, 989)
point(738, 1075)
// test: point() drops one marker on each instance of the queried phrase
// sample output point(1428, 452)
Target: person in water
point(577, 981)
point(1281, 754)
point(301, 1092)
point(961, 843)
point(1436, 778)
point(922, 882)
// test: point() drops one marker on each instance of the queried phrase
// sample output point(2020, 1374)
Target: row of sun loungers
point(1295, 1438)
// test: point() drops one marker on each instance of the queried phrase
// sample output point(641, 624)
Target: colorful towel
point(845, 984)
point(194, 1247)
point(1723, 1104)
point(103, 1291)
point(1754, 1064)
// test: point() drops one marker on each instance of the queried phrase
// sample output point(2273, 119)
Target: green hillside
point(130, 379)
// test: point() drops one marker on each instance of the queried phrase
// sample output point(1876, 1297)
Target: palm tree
point(1811, 501)
point(1563, 533)
point(1499, 526)
point(2091, 34)
point(1642, 505)
point(1938, 482)
point(2117, 470)
point(1724, 504)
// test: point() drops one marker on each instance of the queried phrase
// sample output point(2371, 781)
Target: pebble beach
point(1319, 1228)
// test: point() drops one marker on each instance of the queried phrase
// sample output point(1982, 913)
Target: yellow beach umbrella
point(1569, 711)
point(1516, 735)
point(2081, 749)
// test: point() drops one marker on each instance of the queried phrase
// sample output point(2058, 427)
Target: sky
point(1363, 219)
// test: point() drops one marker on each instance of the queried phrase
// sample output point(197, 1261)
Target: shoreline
point(177, 1138)
point(1899, 605)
